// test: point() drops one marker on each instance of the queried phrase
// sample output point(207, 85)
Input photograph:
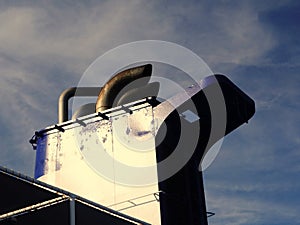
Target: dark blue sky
point(46, 47)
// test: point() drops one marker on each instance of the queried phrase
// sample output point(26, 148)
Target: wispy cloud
point(245, 211)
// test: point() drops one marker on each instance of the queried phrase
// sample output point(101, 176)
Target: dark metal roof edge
point(57, 190)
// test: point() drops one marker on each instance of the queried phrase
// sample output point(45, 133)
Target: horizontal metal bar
point(34, 207)
point(104, 115)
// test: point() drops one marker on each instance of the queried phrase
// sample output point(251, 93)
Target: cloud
point(243, 211)
point(223, 32)
point(75, 35)
point(282, 24)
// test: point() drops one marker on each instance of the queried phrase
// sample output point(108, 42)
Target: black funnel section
point(182, 200)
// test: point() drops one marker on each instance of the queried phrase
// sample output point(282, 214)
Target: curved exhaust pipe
point(67, 94)
point(121, 83)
